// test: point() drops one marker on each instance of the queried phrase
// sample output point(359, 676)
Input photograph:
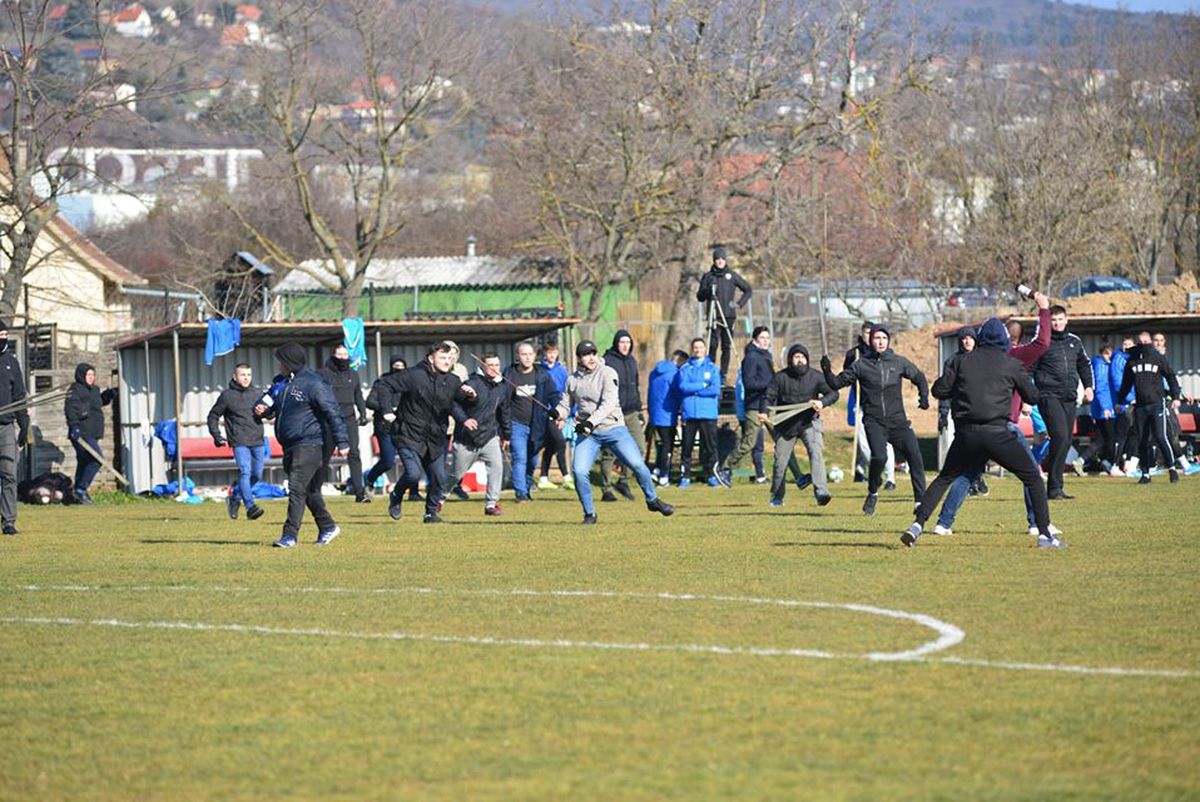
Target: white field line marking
point(948, 634)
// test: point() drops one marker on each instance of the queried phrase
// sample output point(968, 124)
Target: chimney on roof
point(471, 245)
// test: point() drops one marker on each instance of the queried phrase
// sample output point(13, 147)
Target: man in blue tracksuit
point(662, 401)
point(698, 385)
point(304, 409)
point(1104, 416)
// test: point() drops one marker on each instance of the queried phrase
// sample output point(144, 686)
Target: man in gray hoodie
point(594, 389)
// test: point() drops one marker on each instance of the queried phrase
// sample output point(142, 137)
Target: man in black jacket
point(757, 372)
point(12, 439)
point(307, 420)
point(798, 384)
point(879, 376)
point(1058, 375)
point(347, 389)
point(980, 386)
point(84, 409)
point(621, 359)
point(382, 407)
point(482, 429)
point(424, 396)
point(243, 433)
point(718, 287)
point(532, 393)
point(1145, 372)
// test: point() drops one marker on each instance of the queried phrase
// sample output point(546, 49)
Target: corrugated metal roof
point(434, 271)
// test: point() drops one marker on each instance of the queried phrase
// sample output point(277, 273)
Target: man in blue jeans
point(532, 392)
point(244, 433)
point(594, 389)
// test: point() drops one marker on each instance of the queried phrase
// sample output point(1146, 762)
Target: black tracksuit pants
point(904, 443)
point(1152, 427)
point(305, 467)
point(1059, 415)
point(554, 448)
point(721, 335)
point(664, 443)
point(973, 446)
point(707, 429)
point(1104, 441)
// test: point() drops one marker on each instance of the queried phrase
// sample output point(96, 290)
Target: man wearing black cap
point(718, 287)
point(304, 409)
point(879, 375)
point(12, 440)
point(593, 389)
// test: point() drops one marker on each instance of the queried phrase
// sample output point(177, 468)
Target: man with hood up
point(621, 359)
point(482, 429)
point(347, 389)
point(244, 434)
point(718, 287)
point(757, 372)
point(84, 409)
point(594, 392)
point(1153, 381)
point(383, 415)
point(980, 385)
point(798, 384)
point(966, 343)
point(879, 375)
point(12, 440)
point(307, 419)
point(662, 400)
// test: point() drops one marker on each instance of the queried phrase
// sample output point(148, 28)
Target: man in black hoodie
point(621, 359)
point(718, 287)
point(980, 386)
point(757, 371)
point(1145, 373)
point(244, 434)
point(879, 376)
point(12, 440)
point(347, 389)
point(482, 429)
point(383, 416)
point(966, 343)
point(84, 409)
point(1058, 375)
point(798, 384)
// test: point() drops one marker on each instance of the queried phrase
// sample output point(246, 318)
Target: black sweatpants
point(707, 429)
point(1104, 441)
point(664, 443)
point(1152, 427)
point(1059, 415)
point(554, 447)
point(973, 446)
point(720, 335)
point(904, 443)
point(1126, 434)
point(305, 467)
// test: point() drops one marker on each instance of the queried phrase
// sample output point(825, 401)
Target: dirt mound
point(1165, 298)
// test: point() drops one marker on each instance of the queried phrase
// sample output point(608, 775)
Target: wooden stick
point(103, 462)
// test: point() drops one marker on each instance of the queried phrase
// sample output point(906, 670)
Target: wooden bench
point(200, 456)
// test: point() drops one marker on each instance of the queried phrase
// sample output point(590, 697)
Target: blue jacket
point(304, 407)
point(1116, 372)
point(559, 373)
point(1102, 401)
point(698, 383)
point(662, 397)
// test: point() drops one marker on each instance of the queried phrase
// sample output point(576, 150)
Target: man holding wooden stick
point(805, 392)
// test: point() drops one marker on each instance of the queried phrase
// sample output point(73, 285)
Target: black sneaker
point(1174, 476)
point(869, 504)
point(589, 519)
point(394, 506)
point(889, 486)
point(1145, 480)
point(823, 499)
point(254, 513)
point(804, 481)
point(82, 497)
point(9, 529)
point(658, 505)
point(911, 535)
point(1059, 495)
point(622, 487)
point(460, 494)
point(981, 487)
point(432, 518)
point(232, 503)
point(362, 498)
point(415, 495)
point(608, 495)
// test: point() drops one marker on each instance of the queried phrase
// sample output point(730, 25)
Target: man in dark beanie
point(718, 287)
point(304, 409)
point(12, 439)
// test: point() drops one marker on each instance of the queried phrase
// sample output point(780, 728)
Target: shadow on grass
point(849, 544)
point(202, 541)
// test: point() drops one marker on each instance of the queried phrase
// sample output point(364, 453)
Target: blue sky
point(1178, 6)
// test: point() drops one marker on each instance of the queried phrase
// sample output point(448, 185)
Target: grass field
point(159, 651)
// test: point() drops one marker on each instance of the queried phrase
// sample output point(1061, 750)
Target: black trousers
point(973, 446)
point(1104, 441)
point(305, 467)
point(707, 429)
point(721, 335)
point(1126, 434)
point(1152, 428)
point(904, 442)
point(555, 447)
point(431, 465)
point(1059, 415)
point(664, 442)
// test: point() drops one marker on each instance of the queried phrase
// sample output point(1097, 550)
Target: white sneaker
point(1077, 465)
point(544, 483)
point(943, 530)
point(1115, 472)
point(1054, 530)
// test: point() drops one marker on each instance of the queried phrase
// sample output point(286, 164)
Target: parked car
point(971, 295)
point(1083, 285)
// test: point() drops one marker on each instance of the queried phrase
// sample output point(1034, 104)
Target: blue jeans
point(387, 458)
point(620, 442)
point(249, 461)
point(962, 485)
point(433, 467)
point(86, 466)
point(521, 464)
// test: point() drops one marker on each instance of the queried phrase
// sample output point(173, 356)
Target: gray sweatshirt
point(596, 395)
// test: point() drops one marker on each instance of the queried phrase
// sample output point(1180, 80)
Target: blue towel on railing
point(223, 337)
point(354, 336)
point(166, 432)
